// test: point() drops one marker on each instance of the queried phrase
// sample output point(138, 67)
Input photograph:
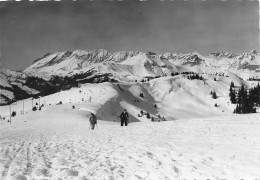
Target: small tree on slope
point(214, 95)
point(148, 115)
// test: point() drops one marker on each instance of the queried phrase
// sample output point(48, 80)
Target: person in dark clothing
point(92, 120)
point(124, 118)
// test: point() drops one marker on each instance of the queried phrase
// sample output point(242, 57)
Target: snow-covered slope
point(62, 63)
point(179, 97)
point(12, 86)
point(175, 97)
point(56, 143)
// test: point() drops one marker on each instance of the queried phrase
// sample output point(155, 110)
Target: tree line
point(246, 99)
point(253, 79)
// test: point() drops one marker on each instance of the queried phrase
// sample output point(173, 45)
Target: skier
point(92, 120)
point(124, 118)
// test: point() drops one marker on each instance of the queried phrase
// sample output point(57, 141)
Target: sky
point(28, 30)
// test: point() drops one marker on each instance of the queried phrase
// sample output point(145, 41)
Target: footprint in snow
point(20, 177)
point(176, 170)
point(69, 172)
point(41, 172)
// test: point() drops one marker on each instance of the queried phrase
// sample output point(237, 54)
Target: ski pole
point(97, 126)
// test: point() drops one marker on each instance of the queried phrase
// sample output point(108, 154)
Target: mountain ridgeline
point(63, 70)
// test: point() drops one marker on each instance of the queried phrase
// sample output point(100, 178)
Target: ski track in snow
point(214, 148)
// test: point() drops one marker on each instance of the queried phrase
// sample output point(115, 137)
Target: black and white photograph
point(129, 90)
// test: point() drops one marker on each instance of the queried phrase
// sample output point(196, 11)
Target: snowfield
point(56, 143)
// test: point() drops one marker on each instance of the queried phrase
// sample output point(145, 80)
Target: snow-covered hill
point(12, 86)
point(56, 143)
point(175, 97)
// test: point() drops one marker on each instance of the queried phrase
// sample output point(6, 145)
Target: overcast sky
point(30, 30)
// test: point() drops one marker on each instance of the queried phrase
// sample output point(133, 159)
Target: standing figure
point(92, 120)
point(124, 118)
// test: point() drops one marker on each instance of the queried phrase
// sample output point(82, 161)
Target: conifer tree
point(214, 95)
point(232, 93)
point(247, 100)
point(232, 84)
point(148, 115)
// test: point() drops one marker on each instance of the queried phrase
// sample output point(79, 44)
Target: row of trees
point(254, 79)
point(177, 73)
point(193, 75)
point(190, 72)
point(246, 99)
point(196, 76)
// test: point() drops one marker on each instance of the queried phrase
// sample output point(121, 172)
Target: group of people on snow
point(123, 117)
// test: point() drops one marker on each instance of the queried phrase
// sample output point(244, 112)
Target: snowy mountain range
point(63, 70)
point(124, 65)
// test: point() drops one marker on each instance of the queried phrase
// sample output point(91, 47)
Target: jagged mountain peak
point(101, 52)
point(184, 56)
point(95, 56)
point(253, 52)
point(223, 54)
